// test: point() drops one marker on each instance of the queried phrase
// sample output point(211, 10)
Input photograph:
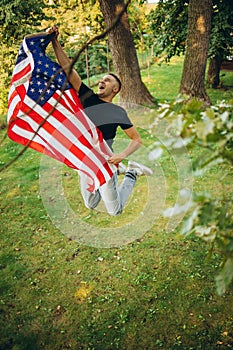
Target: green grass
point(163, 81)
point(156, 292)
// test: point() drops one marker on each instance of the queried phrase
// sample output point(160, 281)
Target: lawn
point(82, 280)
point(163, 80)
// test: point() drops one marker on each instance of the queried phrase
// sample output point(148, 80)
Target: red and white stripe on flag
point(57, 126)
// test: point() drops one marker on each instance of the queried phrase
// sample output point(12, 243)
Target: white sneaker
point(121, 169)
point(140, 169)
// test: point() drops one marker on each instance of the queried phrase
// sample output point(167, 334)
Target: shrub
point(210, 217)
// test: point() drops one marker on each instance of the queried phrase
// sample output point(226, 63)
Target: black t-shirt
point(106, 116)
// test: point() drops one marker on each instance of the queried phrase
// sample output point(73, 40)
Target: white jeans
point(114, 196)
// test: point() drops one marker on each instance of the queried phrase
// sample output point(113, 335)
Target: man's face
point(107, 86)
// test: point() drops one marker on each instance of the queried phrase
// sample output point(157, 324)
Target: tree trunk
point(124, 55)
point(199, 25)
point(213, 78)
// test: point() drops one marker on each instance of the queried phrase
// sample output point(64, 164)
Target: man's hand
point(53, 29)
point(64, 60)
point(134, 144)
point(116, 158)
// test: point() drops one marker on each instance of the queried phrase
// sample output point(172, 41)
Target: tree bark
point(199, 25)
point(124, 55)
point(213, 78)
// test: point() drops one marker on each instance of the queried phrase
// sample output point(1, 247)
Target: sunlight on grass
point(164, 80)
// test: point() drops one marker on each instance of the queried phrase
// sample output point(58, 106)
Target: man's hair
point(117, 79)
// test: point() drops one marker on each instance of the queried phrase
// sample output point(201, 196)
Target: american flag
point(45, 113)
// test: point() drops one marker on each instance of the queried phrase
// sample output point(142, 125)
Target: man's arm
point(134, 144)
point(64, 61)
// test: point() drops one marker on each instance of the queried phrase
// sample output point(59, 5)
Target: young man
point(107, 117)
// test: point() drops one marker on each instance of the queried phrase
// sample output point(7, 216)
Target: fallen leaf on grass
point(83, 292)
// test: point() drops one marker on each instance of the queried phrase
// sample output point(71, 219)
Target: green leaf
point(189, 222)
point(225, 277)
point(204, 128)
point(207, 233)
